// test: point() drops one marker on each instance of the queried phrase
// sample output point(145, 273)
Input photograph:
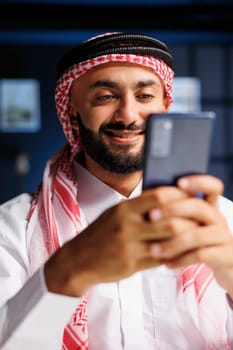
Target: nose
point(126, 111)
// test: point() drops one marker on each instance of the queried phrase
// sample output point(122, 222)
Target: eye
point(145, 97)
point(105, 97)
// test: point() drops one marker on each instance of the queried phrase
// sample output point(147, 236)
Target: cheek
point(158, 108)
point(94, 117)
point(92, 121)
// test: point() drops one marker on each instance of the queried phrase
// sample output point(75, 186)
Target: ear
point(167, 103)
point(73, 116)
point(74, 122)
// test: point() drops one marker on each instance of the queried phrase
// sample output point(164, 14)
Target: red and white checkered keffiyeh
point(55, 218)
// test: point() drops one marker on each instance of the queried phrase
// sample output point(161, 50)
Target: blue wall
point(33, 54)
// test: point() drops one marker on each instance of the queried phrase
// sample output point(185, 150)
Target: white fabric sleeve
point(34, 318)
point(229, 324)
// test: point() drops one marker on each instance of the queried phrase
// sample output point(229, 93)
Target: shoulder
point(19, 204)
point(14, 212)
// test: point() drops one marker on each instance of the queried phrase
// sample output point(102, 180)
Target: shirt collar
point(94, 196)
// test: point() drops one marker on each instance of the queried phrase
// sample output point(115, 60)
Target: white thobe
point(136, 313)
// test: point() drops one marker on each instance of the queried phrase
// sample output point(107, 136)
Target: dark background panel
point(34, 34)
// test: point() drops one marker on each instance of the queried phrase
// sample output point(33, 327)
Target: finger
point(216, 257)
point(158, 197)
point(193, 239)
point(147, 263)
point(211, 186)
point(165, 229)
point(194, 209)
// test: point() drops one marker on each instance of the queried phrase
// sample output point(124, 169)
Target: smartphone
point(176, 144)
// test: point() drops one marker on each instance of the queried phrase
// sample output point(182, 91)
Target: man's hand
point(113, 247)
point(209, 241)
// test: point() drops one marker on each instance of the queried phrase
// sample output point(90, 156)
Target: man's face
point(111, 103)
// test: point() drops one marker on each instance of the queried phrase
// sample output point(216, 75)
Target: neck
point(122, 183)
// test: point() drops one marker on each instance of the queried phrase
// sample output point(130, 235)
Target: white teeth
point(125, 135)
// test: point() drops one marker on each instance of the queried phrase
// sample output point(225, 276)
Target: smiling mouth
point(125, 134)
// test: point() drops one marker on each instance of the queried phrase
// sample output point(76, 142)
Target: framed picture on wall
point(19, 105)
point(186, 94)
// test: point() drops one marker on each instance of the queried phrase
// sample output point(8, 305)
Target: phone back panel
point(176, 144)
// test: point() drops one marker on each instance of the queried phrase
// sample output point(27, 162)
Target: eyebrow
point(104, 83)
point(114, 85)
point(150, 82)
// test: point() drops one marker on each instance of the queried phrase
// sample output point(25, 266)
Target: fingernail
point(155, 214)
point(183, 183)
point(156, 250)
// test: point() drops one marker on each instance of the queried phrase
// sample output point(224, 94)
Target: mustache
point(122, 126)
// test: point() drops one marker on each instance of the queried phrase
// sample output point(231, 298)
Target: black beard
point(120, 161)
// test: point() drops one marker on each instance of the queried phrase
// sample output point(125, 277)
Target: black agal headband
point(115, 43)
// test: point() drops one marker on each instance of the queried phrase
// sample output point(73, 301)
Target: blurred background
point(34, 34)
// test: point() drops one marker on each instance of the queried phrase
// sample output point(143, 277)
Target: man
point(83, 268)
